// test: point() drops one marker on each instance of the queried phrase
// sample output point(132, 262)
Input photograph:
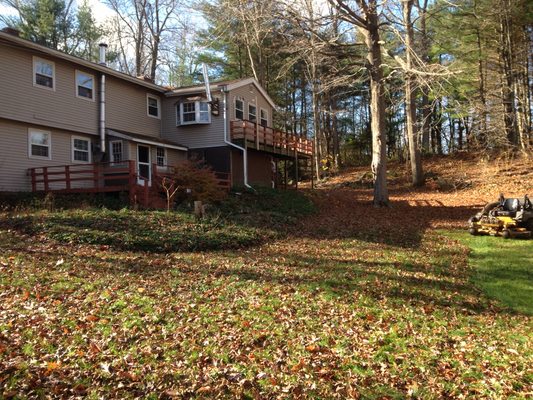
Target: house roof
point(154, 141)
point(218, 86)
point(28, 44)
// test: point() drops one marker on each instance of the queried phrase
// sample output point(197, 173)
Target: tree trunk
point(508, 95)
point(417, 174)
point(377, 106)
point(424, 50)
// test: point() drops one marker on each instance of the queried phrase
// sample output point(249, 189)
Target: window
point(81, 149)
point(43, 73)
point(252, 113)
point(153, 106)
point(39, 144)
point(161, 156)
point(189, 112)
point(239, 109)
point(264, 117)
point(194, 112)
point(116, 151)
point(84, 85)
point(204, 112)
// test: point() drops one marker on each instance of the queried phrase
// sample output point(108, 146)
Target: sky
point(100, 11)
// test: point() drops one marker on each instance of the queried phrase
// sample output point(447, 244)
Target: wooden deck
point(272, 140)
point(106, 177)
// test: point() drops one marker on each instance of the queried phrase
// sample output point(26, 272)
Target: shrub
point(192, 181)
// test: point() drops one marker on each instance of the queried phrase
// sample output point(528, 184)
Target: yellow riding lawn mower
point(506, 217)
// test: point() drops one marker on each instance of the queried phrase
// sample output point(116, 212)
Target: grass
point(503, 269)
point(91, 312)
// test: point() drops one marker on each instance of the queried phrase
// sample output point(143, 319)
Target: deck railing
point(279, 141)
point(102, 177)
point(96, 177)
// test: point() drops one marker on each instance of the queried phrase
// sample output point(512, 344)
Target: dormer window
point(43, 73)
point(152, 103)
point(193, 112)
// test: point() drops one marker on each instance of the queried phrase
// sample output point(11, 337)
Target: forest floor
point(350, 301)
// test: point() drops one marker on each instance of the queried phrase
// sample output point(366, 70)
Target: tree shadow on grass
point(415, 285)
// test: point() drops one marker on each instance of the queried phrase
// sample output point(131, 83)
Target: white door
point(144, 166)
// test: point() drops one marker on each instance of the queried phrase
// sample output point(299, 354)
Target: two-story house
point(67, 124)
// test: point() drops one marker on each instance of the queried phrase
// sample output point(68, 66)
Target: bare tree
point(364, 14)
point(410, 98)
point(142, 26)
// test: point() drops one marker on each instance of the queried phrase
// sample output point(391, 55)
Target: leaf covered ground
point(351, 302)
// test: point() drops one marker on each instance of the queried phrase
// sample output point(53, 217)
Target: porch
point(106, 177)
point(253, 135)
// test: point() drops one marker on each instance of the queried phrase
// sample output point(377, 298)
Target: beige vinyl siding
point(60, 108)
point(250, 95)
point(174, 157)
point(196, 135)
point(126, 108)
point(14, 155)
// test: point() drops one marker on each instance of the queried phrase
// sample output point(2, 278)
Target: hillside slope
point(456, 187)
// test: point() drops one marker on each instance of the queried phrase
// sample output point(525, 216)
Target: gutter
point(224, 90)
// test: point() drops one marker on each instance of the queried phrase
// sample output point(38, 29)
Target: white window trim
point(266, 112)
point(76, 85)
point(35, 84)
point(30, 131)
point(164, 156)
point(196, 113)
point(72, 138)
point(113, 162)
point(151, 96)
point(235, 108)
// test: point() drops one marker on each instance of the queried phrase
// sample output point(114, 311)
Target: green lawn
point(296, 317)
point(503, 269)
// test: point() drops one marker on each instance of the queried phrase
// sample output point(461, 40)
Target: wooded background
point(368, 80)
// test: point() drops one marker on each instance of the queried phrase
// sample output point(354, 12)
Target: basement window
point(43, 73)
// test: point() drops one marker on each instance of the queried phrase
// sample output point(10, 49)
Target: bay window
point(193, 112)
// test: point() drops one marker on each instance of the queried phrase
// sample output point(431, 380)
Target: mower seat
point(509, 207)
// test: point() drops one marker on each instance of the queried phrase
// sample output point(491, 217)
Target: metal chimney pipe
point(103, 51)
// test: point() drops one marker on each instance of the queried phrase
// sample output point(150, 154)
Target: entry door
point(144, 166)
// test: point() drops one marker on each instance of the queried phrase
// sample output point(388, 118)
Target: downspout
point(227, 141)
point(103, 48)
point(102, 114)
